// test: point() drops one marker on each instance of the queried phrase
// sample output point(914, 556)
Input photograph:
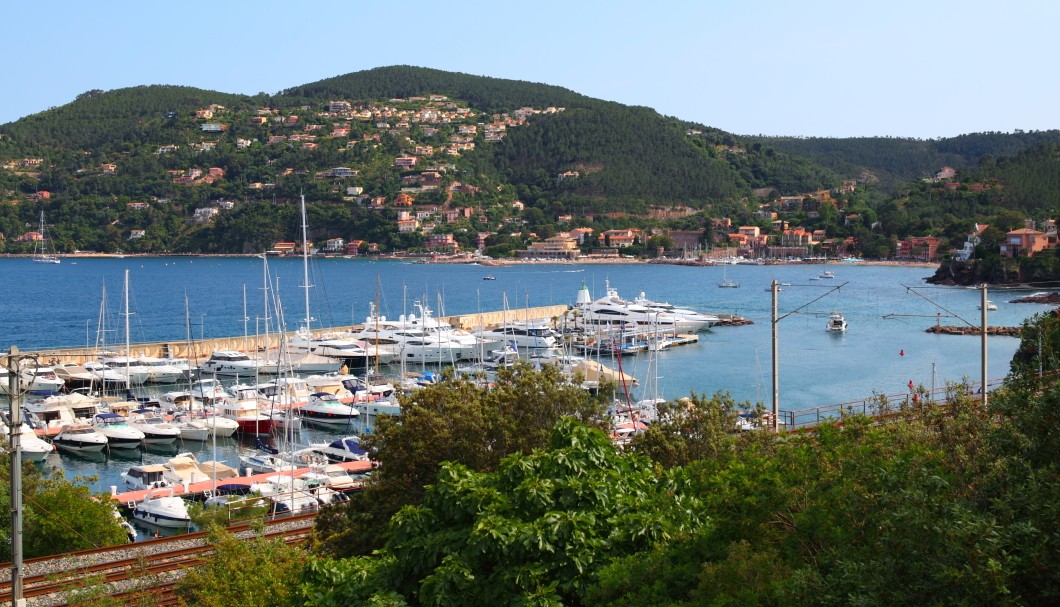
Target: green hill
point(146, 159)
point(894, 160)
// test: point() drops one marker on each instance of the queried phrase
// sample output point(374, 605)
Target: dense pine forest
point(143, 169)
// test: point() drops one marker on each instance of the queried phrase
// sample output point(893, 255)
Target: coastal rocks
point(731, 320)
point(1039, 298)
point(951, 330)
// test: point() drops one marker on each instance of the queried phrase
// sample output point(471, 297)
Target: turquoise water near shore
point(888, 309)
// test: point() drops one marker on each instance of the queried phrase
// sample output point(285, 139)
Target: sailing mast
point(305, 270)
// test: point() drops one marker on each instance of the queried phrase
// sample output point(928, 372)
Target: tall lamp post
point(14, 361)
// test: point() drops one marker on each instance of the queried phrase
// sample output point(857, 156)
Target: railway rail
point(130, 570)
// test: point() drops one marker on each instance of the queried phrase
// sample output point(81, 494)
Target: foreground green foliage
point(456, 420)
point(531, 533)
point(255, 572)
point(58, 516)
point(955, 503)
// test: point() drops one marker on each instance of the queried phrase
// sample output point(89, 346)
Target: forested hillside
point(894, 160)
point(175, 169)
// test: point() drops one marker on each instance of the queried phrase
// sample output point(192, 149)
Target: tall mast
point(305, 268)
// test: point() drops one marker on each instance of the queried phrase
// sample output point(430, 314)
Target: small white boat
point(80, 437)
point(191, 428)
point(990, 306)
point(32, 447)
point(162, 508)
point(155, 428)
point(827, 274)
point(728, 283)
point(836, 322)
point(120, 435)
point(325, 408)
point(146, 476)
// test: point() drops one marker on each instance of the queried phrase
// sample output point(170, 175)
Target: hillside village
point(430, 175)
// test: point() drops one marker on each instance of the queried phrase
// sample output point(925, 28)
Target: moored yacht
point(533, 335)
point(155, 428)
point(230, 363)
point(80, 437)
point(325, 408)
point(162, 508)
point(120, 435)
point(836, 322)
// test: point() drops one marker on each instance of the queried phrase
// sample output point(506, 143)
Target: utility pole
point(776, 361)
point(14, 379)
point(983, 305)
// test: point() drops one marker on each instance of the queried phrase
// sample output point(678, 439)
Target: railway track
point(47, 580)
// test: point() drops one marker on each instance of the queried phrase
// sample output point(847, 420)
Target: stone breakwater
point(951, 330)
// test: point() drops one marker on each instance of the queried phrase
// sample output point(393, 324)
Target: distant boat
point(990, 306)
point(489, 278)
point(41, 254)
point(827, 274)
point(726, 283)
point(836, 322)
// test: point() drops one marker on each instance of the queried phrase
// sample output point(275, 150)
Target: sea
point(82, 303)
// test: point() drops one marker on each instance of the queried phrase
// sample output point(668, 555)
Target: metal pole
point(776, 362)
point(983, 305)
point(15, 435)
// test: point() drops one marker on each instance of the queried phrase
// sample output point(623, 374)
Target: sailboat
point(40, 247)
point(727, 283)
point(306, 358)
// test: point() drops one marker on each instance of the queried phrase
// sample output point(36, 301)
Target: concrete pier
point(200, 350)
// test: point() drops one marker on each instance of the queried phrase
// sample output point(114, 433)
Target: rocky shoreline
point(952, 330)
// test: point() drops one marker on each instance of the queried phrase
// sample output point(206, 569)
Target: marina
point(190, 307)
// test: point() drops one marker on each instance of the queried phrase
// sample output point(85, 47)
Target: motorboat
point(61, 409)
point(161, 507)
point(990, 306)
point(230, 494)
point(145, 476)
point(40, 380)
point(350, 352)
point(611, 310)
point(265, 460)
point(155, 427)
point(32, 447)
point(230, 363)
point(80, 437)
point(708, 320)
point(120, 435)
point(245, 410)
point(129, 368)
point(417, 339)
point(185, 468)
point(109, 378)
point(326, 408)
point(191, 428)
point(836, 322)
point(345, 449)
point(285, 495)
point(525, 335)
point(75, 376)
point(160, 370)
point(333, 476)
point(827, 274)
point(488, 366)
point(220, 425)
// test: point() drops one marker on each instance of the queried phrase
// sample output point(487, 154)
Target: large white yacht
point(612, 310)
point(708, 320)
point(230, 363)
point(533, 335)
point(413, 340)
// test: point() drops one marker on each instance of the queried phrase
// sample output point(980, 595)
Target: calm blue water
point(888, 309)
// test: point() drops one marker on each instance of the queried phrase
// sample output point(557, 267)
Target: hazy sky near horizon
point(828, 68)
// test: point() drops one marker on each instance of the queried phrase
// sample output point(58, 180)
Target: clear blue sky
point(825, 68)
